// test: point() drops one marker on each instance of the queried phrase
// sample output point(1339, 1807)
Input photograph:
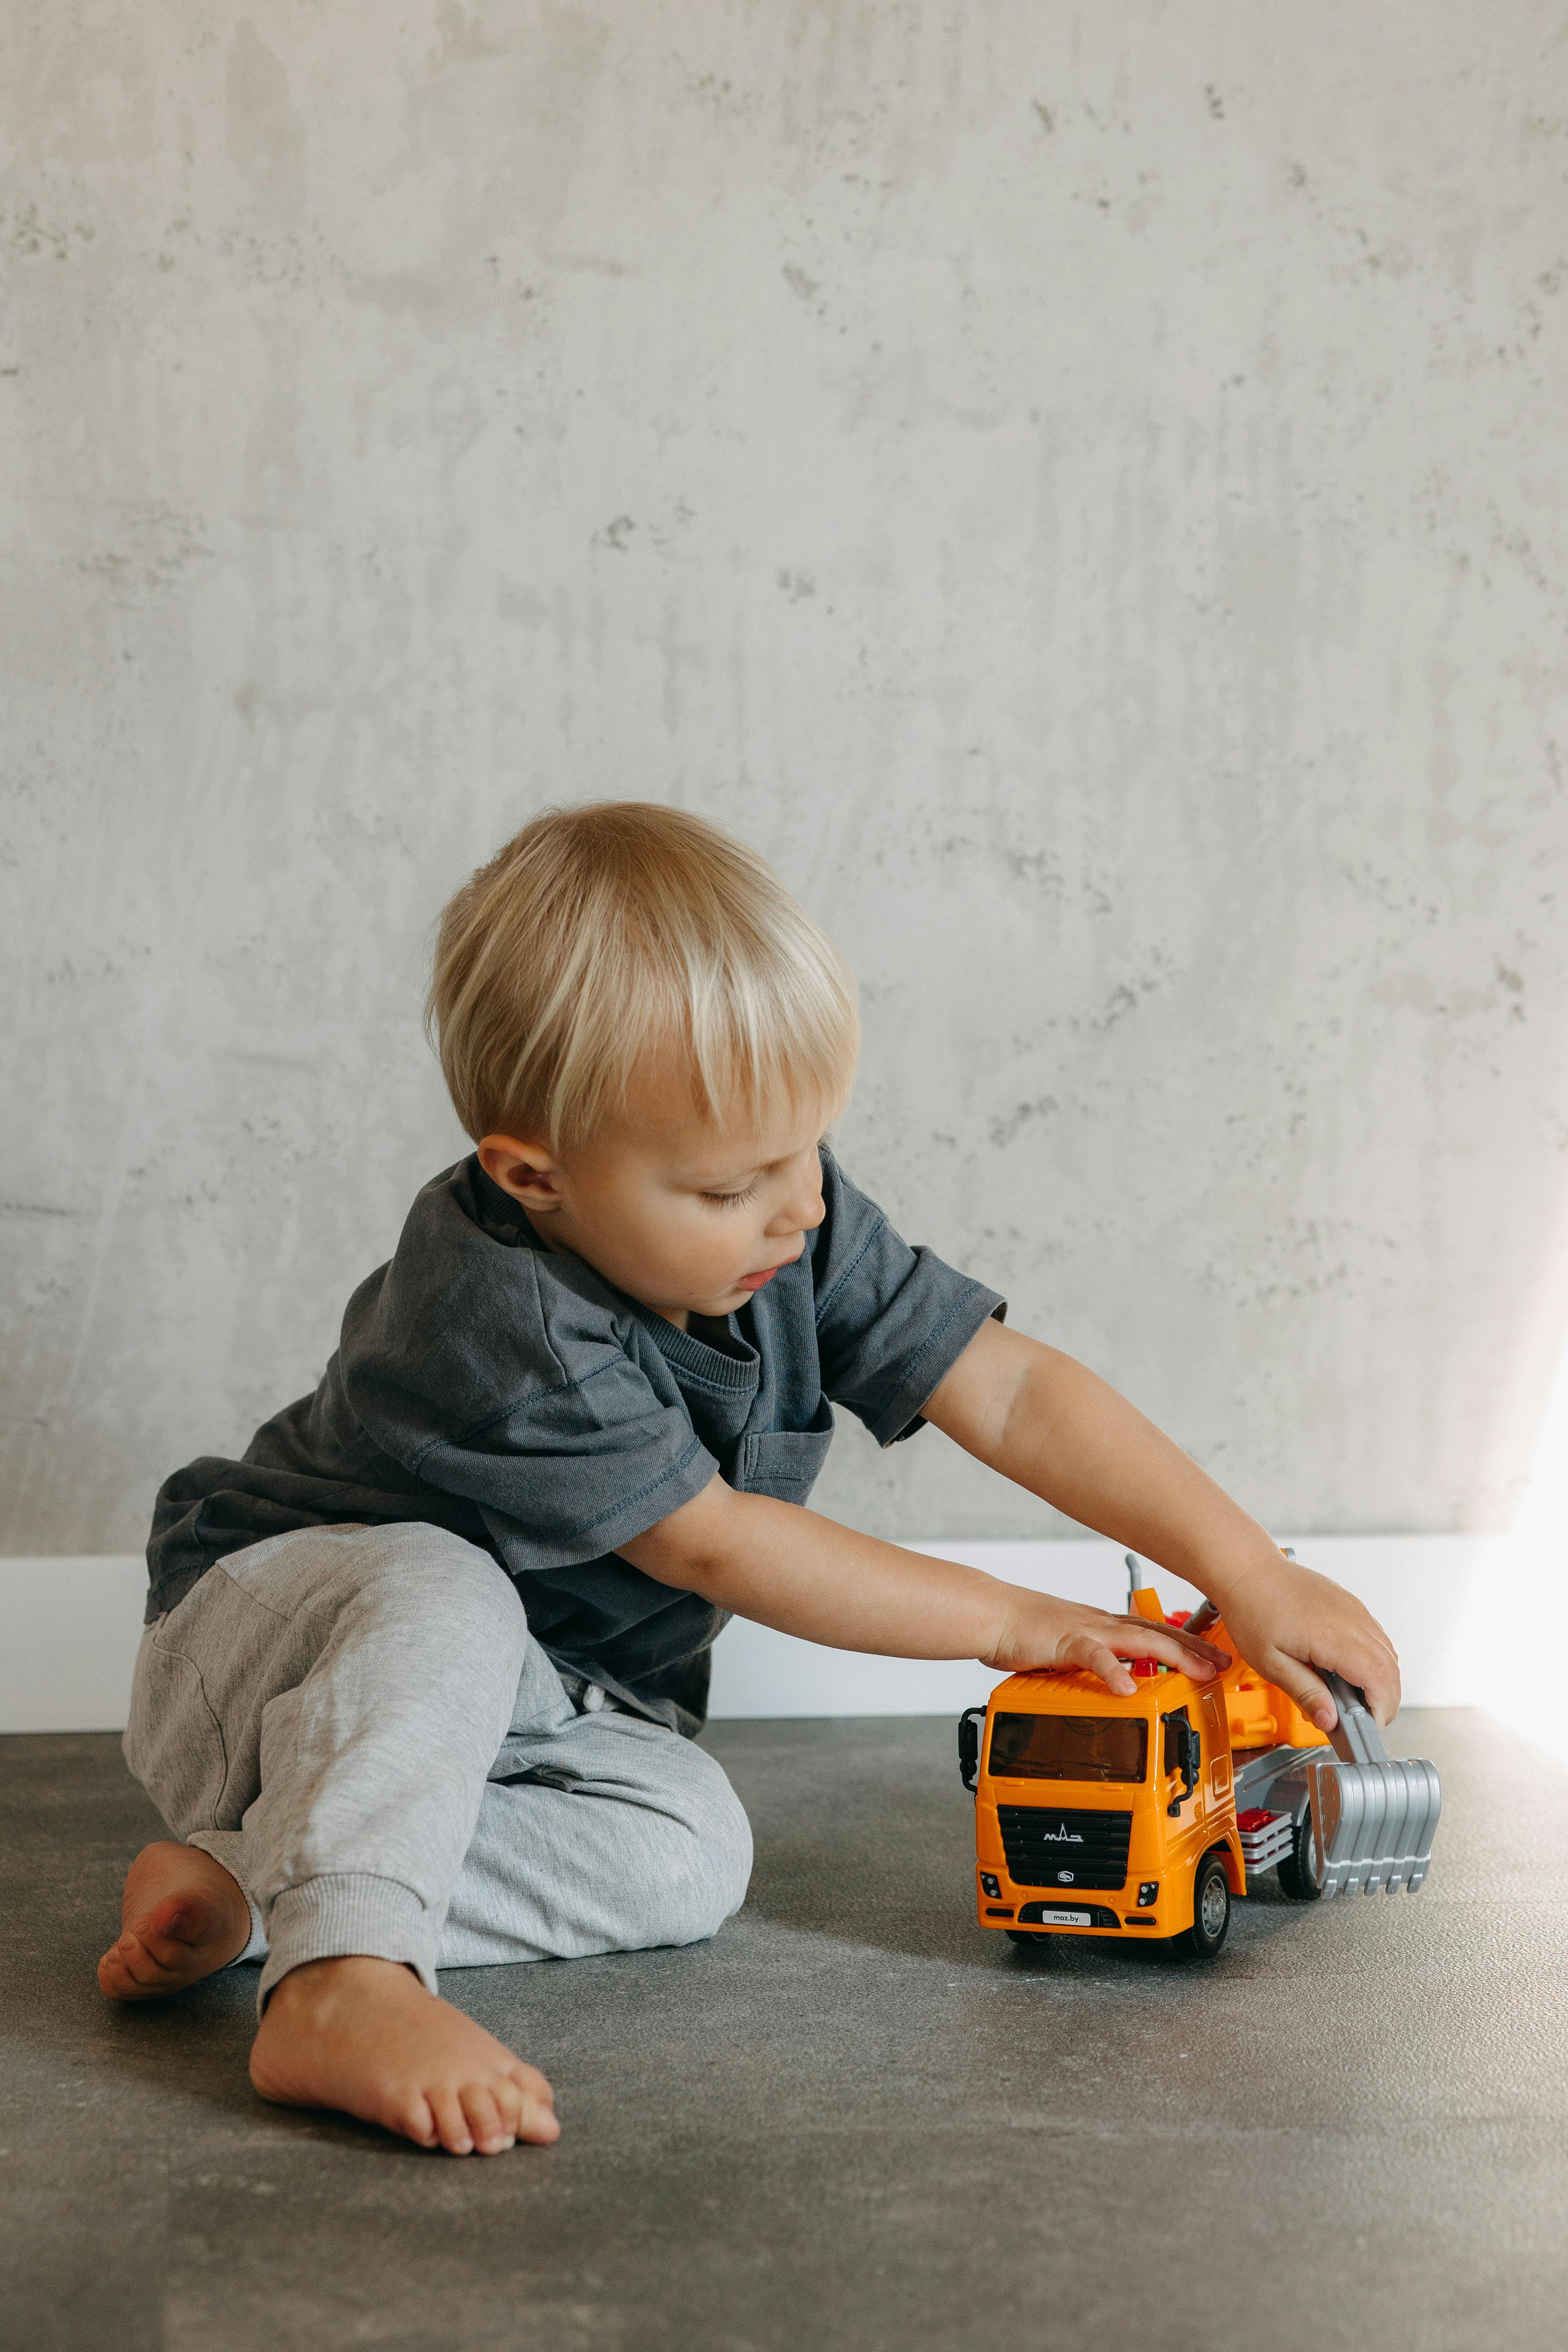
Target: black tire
point(1211, 1913)
point(1297, 1882)
point(1029, 1938)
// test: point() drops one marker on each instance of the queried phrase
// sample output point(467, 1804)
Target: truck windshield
point(1070, 1747)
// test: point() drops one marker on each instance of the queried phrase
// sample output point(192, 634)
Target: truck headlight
point(1147, 1892)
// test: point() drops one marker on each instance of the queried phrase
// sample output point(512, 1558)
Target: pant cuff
point(346, 1913)
point(256, 1948)
point(227, 1846)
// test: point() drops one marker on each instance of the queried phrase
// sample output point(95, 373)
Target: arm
point(792, 1570)
point(1047, 1423)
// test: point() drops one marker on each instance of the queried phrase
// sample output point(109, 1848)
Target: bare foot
point(364, 2035)
point(182, 1916)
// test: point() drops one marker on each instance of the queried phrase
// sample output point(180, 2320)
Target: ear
point(527, 1170)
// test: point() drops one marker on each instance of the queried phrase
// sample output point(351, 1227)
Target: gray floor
point(854, 2119)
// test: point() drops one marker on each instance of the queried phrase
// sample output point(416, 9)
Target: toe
point(451, 2124)
point(129, 1971)
point(508, 2096)
point(536, 2109)
point(171, 1932)
point(485, 2120)
point(537, 2106)
point(411, 2115)
point(532, 2085)
point(538, 2123)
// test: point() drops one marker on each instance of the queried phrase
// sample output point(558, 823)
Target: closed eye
point(729, 1200)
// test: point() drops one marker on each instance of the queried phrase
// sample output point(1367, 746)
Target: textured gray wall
point(1080, 487)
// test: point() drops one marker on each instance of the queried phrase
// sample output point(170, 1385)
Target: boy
point(421, 1672)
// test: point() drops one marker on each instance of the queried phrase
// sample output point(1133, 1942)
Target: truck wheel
point(1295, 1871)
point(1211, 1913)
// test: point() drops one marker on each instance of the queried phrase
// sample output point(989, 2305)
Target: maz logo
point(1060, 1837)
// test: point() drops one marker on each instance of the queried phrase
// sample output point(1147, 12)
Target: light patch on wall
point(1514, 1632)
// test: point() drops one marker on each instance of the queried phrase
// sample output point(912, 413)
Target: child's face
point(684, 1215)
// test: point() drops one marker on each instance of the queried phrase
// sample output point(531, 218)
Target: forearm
point(785, 1567)
point(792, 1570)
point(1053, 1427)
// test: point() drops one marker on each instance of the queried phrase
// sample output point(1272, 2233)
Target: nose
point(801, 1209)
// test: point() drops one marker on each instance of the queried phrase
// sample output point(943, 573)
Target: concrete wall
point(1080, 487)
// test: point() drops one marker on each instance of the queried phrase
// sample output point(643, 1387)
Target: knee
point(723, 1868)
point(696, 1875)
point(413, 1571)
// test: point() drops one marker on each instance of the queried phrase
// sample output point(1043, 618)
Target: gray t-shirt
point(505, 1390)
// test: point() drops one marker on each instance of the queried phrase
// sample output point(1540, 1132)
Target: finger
point(1085, 1649)
point(1194, 1643)
point(1299, 1683)
point(1210, 1649)
point(1379, 1688)
point(1369, 1665)
point(1129, 1638)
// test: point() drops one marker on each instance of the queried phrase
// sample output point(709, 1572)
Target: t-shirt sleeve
point(891, 1321)
point(567, 1474)
point(557, 1420)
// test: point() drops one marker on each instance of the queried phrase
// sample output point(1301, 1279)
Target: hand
point(1040, 1632)
point(1285, 1619)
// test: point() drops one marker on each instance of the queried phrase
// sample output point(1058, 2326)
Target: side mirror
point(971, 1724)
point(1184, 1754)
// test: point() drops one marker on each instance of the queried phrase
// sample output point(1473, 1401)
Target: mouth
point(755, 1281)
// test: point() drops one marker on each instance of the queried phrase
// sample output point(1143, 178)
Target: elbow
point(688, 1550)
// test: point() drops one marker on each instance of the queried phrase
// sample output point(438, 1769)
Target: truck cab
point(1101, 1815)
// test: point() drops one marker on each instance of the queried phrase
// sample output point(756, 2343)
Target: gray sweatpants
point(356, 1723)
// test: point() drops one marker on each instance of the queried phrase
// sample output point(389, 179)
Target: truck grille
point(1047, 1847)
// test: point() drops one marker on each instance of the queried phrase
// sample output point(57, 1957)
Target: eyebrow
point(723, 1177)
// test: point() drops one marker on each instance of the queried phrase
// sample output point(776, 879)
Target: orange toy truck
point(1143, 1816)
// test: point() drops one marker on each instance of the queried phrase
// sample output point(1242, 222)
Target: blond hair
point(601, 936)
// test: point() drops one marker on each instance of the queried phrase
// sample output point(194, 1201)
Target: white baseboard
point(71, 1627)
point(71, 1630)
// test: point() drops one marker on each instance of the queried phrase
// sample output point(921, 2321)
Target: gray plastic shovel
point(1373, 1816)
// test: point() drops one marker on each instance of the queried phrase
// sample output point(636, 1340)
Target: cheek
point(709, 1240)
point(683, 1231)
